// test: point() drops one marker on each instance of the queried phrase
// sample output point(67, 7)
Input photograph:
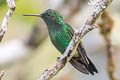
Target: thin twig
point(100, 6)
point(11, 6)
point(110, 62)
point(106, 25)
point(1, 74)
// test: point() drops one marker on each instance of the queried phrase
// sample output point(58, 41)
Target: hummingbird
point(61, 34)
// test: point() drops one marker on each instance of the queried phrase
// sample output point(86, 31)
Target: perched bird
point(61, 34)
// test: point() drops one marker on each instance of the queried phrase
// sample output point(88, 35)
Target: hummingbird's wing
point(87, 62)
point(82, 62)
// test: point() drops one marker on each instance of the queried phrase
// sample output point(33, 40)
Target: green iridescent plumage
point(61, 34)
point(58, 29)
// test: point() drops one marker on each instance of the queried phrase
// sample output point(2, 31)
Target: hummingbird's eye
point(48, 15)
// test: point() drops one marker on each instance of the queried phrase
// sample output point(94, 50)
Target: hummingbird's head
point(51, 16)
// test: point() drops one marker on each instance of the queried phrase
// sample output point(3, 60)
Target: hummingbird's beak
point(37, 15)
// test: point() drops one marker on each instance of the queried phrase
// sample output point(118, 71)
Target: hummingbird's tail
point(91, 67)
point(82, 67)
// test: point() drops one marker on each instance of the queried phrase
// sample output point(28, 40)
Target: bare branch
point(11, 5)
point(100, 6)
point(66, 57)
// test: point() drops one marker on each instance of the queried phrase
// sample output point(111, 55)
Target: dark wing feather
point(85, 65)
point(79, 66)
point(87, 62)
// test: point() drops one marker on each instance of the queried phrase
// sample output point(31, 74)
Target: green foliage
point(2, 2)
